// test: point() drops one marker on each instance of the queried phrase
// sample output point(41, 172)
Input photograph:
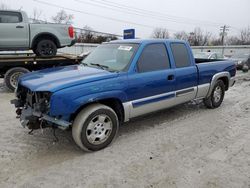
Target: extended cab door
point(14, 32)
point(152, 86)
point(186, 72)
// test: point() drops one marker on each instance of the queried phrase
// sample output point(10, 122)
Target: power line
point(148, 12)
point(96, 15)
point(114, 19)
point(145, 14)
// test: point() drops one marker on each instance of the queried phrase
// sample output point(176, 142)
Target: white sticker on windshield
point(127, 48)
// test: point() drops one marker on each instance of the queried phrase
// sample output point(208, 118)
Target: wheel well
point(45, 36)
point(225, 81)
point(113, 103)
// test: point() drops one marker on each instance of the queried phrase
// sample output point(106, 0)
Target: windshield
point(243, 56)
point(112, 57)
point(201, 55)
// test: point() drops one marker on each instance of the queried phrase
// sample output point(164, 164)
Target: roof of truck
point(139, 41)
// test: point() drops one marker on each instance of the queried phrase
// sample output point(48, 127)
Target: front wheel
point(217, 95)
point(95, 127)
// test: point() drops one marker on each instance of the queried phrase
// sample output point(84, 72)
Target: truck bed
point(207, 68)
point(200, 60)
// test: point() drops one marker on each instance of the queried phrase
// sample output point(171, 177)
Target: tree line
point(198, 37)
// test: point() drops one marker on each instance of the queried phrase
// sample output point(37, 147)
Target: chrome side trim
point(137, 104)
point(157, 102)
point(152, 97)
point(202, 90)
point(151, 107)
point(127, 108)
point(232, 81)
point(215, 78)
point(188, 95)
point(180, 96)
point(184, 92)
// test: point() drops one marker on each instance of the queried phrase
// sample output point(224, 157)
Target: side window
point(10, 17)
point(181, 56)
point(154, 57)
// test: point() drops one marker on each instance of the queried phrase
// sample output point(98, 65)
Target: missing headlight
point(42, 102)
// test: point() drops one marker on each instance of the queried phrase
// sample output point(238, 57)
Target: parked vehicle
point(209, 55)
point(118, 81)
point(12, 66)
point(44, 39)
point(241, 60)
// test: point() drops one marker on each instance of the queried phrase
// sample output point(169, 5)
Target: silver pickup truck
point(16, 33)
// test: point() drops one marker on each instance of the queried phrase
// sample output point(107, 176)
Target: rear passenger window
point(181, 56)
point(10, 17)
point(154, 57)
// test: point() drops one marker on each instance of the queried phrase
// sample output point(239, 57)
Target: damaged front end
point(33, 110)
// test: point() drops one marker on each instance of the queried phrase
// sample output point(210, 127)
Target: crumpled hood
point(58, 78)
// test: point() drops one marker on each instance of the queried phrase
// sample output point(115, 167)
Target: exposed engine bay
point(33, 109)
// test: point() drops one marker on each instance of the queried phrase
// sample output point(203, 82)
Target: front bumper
point(33, 119)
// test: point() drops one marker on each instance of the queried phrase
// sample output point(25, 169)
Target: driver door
point(13, 32)
point(152, 87)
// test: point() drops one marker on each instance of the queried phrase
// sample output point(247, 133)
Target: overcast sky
point(144, 16)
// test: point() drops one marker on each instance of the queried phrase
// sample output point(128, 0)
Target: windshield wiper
point(99, 65)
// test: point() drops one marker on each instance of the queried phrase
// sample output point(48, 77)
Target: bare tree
point(63, 17)
point(3, 6)
point(181, 35)
point(161, 33)
point(234, 40)
point(36, 14)
point(245, 36)
point(199, 38)
point(214, 41)
point(86, 35)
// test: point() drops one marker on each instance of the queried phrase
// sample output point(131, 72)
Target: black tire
point(215, 99)
point(45, 48)
point(84, 120)
point(12, 75)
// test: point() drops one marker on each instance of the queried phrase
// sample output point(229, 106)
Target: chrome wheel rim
point(99, 129)
point(14, 79)
point(217, 94)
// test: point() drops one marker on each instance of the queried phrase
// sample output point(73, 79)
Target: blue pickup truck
point(118, 81)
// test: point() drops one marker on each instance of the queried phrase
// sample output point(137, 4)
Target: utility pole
point(223, 30)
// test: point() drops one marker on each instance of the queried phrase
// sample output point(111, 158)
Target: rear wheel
point(11, 77)
point(95, 127)
point(217, 95)
point(45, 48)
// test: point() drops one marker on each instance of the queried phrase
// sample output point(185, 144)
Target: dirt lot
point(186, 146)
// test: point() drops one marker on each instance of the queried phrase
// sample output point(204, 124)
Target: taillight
point(71, 32)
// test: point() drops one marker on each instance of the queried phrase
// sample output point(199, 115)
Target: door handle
point(19, 27)
point(171, 77)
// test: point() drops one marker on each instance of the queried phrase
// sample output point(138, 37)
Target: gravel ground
point(185, 146)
